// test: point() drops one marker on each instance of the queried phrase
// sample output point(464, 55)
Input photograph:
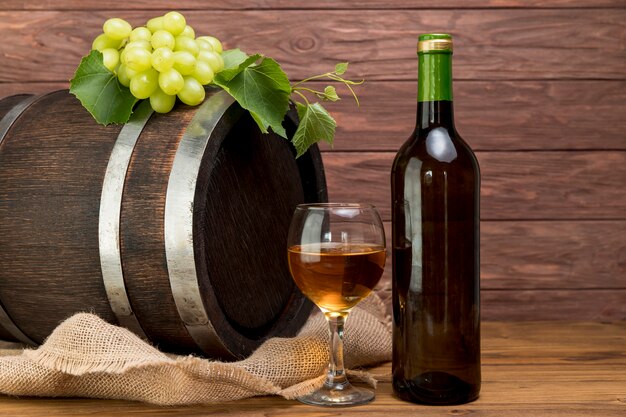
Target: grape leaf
point(341, 68)
point(228, 74)
point(330, 93)
point(233, 58)
point(100, 92)
point(263, 89)
point(316, 124)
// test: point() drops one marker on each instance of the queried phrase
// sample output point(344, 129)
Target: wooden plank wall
point(540, 91)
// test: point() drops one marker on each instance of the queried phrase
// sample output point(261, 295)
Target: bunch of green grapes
point(162, 60)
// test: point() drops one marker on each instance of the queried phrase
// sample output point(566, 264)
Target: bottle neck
point(434, 93)
point(431, 114)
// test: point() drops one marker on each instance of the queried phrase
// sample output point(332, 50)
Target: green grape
point(188, 32)
point(141, 43)
point(103, 42)
point(184, 62)
point(144, 84)
point(161, 102)
point(129, 72)
point(155, 24)
point(192, 93)
point(204, 45)
point(162, 59)
point(132, 45)
point(162, 38)
point(214, 60)
point(110, 58)
point(213, 41)
point(203, 72)
point(123, 55)
point(174, 23)
point(117, 28)
point(137, 59)
point(122, 75)
point(140, 33)
point(171, 82)
point(184, 43)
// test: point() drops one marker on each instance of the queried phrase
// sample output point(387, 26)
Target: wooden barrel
point(174, 226)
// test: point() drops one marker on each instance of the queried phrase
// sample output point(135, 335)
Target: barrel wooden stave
point(141, 230)
point(6, 105)
point(51, 173)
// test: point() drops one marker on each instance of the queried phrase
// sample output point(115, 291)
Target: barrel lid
point(248, 187)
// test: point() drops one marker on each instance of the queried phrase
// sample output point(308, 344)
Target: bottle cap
point(434, 42)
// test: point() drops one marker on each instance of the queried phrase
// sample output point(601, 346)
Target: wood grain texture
point(566, 304)
point(142, 241)
point(9, 88)
point(539, 369)
point(294, 4)
point(491, 115)
point(5, 106)
point(513, 305)
point(42, 166)
point(553, 255)
point(546, 255)
point(515, 185)
point(490, 45)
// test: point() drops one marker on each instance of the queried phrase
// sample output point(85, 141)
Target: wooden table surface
point(530, 369)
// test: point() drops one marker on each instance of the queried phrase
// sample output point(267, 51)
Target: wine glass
point(336, 256)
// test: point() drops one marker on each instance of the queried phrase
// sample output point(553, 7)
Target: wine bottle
point(435, 183)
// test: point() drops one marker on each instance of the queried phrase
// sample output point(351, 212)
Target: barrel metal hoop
point(13, 114)
point(109, 219)
point(7, 323)
point(5, 124)
point(179, 208)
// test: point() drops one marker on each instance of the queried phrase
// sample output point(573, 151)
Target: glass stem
point(336, 377)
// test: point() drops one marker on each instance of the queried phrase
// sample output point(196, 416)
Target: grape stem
point(301, 95)
point(320, 94)
point(298, 88)
point(310, 78)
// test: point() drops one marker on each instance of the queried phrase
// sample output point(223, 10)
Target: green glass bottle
point(435, 183)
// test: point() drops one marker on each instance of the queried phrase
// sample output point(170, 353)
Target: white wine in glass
point(336, 257)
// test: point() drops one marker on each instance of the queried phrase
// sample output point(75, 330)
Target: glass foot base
point(338, 396)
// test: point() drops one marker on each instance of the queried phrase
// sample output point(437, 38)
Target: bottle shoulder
point(437, 146)
point(436, 150)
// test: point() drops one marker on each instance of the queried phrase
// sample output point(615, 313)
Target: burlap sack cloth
point(87, 357)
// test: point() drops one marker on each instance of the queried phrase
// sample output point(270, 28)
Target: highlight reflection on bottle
point(435, 245)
